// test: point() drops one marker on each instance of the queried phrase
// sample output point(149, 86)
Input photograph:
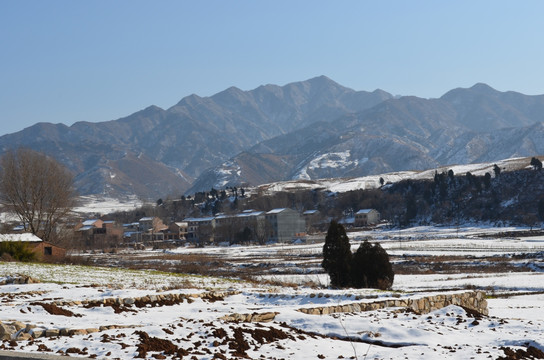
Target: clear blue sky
point(67, 61)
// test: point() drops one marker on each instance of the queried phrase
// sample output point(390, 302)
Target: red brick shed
point(44, 250)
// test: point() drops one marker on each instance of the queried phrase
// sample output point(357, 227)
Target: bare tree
point(37, 189)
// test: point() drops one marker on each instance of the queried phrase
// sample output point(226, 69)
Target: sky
point(64, 61)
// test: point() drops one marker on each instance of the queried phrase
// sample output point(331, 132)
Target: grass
point(85, 274)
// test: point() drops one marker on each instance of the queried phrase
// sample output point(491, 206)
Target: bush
point(337, 255)
point(369, 267)
point(18, 250)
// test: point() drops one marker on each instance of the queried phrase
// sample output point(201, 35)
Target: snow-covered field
point(195, 329)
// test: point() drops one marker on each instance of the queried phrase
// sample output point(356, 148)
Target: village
point(281, 225)
point(249, 227)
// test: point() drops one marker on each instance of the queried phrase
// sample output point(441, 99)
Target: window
point(48, 250)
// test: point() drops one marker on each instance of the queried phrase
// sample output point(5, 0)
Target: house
point(314, 220)
point(43, 250)
point(177, 231)
point(285, 225)
point(200, 230)
point(98, 233)
point(365, 217)
point(131, 232)
point(146, 230)
point(247, 226)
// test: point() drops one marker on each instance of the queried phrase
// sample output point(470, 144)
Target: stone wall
point(17, 330)
point(473, 300)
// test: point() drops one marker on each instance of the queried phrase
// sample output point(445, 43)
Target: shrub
point(371, 267)
point(337, 255)
point(18, 250)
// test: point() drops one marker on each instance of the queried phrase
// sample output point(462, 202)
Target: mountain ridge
point(191, 136)
point(309, 129)
point(408, 133)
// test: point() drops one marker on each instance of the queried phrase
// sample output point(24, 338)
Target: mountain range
point(303, 130)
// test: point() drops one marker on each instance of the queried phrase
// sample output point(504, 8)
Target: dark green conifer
point(337, 255)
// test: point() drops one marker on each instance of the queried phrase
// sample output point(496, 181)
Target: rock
point(128, 301)
point(6, 329)
point(52, 332)
point(23, 336)
point(325, 311)
point(18, 325)
point(265, 317)
point(78, 332)
point(37, 332)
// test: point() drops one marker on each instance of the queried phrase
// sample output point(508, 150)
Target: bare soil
point(55, 310)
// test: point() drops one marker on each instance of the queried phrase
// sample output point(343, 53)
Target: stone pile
point(18, 280)
point(254, 317)
point(17, 330)
point(148, 299)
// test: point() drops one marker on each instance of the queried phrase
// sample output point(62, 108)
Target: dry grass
point(291, 262)
point(456, 265)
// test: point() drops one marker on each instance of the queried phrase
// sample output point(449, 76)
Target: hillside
point(186, 139)
point(464, 126)
point(303, 130)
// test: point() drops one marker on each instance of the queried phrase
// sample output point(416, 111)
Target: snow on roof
point(249, 214)
point(148, 218)
point(310, 212)
point(89, 222)
point(85, 228)
point(364, 211)
point(199, 219)
point(24, 237)
point(276, 211)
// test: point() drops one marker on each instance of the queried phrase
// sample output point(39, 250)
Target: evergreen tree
point(411, 209)
point(497, 170)
point(470, 177)
point(541, 209)
point(360, 266)
point(487, 180)
point(536, 164)
point(337, 255)
point(371, 267)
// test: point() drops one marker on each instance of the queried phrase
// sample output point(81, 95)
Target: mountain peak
point(478, 89)
point(483, 89)
point(323, 81)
